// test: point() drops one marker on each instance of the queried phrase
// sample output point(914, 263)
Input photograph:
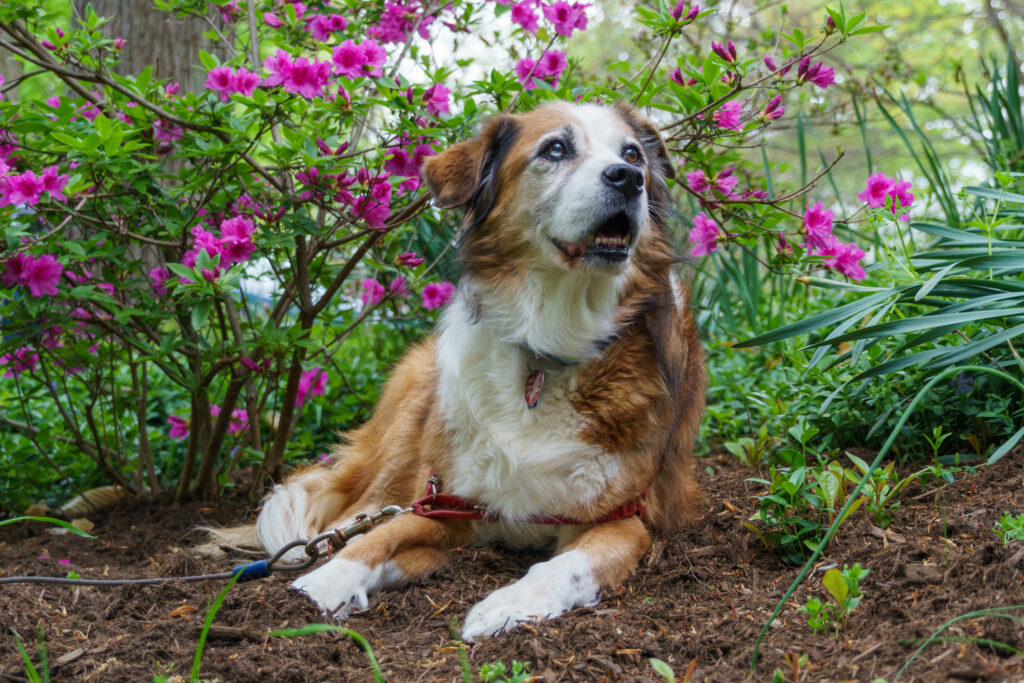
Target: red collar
point(437, 505)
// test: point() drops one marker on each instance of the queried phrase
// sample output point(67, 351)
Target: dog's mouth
point(608, 242)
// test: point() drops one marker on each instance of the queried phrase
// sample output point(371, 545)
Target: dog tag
point(534, 383)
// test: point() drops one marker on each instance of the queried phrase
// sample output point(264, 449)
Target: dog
point(557, 402)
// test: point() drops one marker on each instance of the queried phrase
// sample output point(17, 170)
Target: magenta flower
point(374, 56)
point(773, 110)
point(179, 427)
point(272, 20)
point(728, 115)
point(25, 188)
point(375, 213)
point(41, 275)
point(565, 17)
point(221, 80)
point(236, 240)
point(902, 199)
point(238, 421)
point(678, 12)
point(311, 383)
point(307, 77)
point(21, 360)
point(877, 188)
point(526, 71)
point(373, 291)
point(817, 73)
point(704, 234)
point(321, 26)
point(398, 287)
point(158, 278)
point(697, 181)
point(118, 43)
point(436, 99)
point(279, 66)
point(365, 59)
point(726, 52)
point(409, 259)
point(725, 182)
point(245, 82)
point(818, 224)
point(437, 294)
point(844, 258)
point(552, 63)
point(524, 14)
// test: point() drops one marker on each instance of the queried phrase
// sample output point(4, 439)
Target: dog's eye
point(631, 154)
point(555, 150)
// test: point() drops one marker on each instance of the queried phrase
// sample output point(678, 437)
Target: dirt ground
point(697, 599)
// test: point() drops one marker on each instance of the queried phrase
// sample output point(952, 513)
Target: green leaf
point(663, 669)
point(836, 585)
point(200, 313)
point(50, 520)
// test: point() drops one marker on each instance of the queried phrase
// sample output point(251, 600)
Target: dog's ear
point(649, 137)
point(465, 174)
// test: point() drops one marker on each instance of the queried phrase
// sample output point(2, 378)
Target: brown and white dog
point(568, 301)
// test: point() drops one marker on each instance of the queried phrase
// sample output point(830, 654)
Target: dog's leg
point(390, 555)
point(601, 557)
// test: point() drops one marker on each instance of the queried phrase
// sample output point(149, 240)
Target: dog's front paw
point(342, 586)
point(548, 590)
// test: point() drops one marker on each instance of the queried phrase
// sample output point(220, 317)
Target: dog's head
point(571, 187)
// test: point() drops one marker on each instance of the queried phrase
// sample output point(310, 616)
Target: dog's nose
point(624, 178)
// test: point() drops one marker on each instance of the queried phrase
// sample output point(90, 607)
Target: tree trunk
point(152, 37)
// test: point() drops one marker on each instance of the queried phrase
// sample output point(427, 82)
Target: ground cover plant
point(203, 279)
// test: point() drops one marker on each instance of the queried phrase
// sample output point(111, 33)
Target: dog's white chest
point(517, 460)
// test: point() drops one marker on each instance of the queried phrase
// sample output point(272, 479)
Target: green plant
point(844, 589)
point(211, 612)
point(355, 637)
point(882, 487)
point(33, 674)
point(496, 673)
point(1010, 528)
point(789, 512)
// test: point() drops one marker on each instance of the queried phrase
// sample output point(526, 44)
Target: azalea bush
point(183, 272)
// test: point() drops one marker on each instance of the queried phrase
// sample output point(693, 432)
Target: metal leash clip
point(336, 540)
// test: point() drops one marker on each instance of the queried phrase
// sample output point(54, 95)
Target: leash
point(248, 571)
point(434, 505)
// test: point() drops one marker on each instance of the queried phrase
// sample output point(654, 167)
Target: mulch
point(698, 600)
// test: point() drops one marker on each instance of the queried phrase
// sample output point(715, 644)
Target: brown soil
point(698, 599)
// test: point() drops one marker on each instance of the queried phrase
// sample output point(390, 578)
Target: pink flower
point(552, 63)
point(725, 182)
point(245, 82)
point(566, 17)
point(844, 258)
point(236, 240)
point(726, 52)
point(436, 99)
point(697, 181)
point(221, 80)
point(705, 234)
point(818, 224)
point(902, 199)
point(279, 66)
point(775, 109)
point(375, 213)
point(365, 59)
point(397, 287)
point(373, 291)
point(526, 71)
point(307, 77)
point(311, 383)
point(678, 12)
point(728, 115)
point(179, 427)
point(41, 275)
point(21, 360)
point(437, 294)
point(409, 259)
point(818, 74)
point(158, 278)
point(25, 188)
point(272, 20)
point(238, 421)
point(321, 26)
point(118, 43)
point(878, 187)
point(524, 14)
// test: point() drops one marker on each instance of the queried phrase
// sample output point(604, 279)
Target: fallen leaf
point(183, 612)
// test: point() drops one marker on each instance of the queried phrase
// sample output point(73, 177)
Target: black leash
point(248, 571)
